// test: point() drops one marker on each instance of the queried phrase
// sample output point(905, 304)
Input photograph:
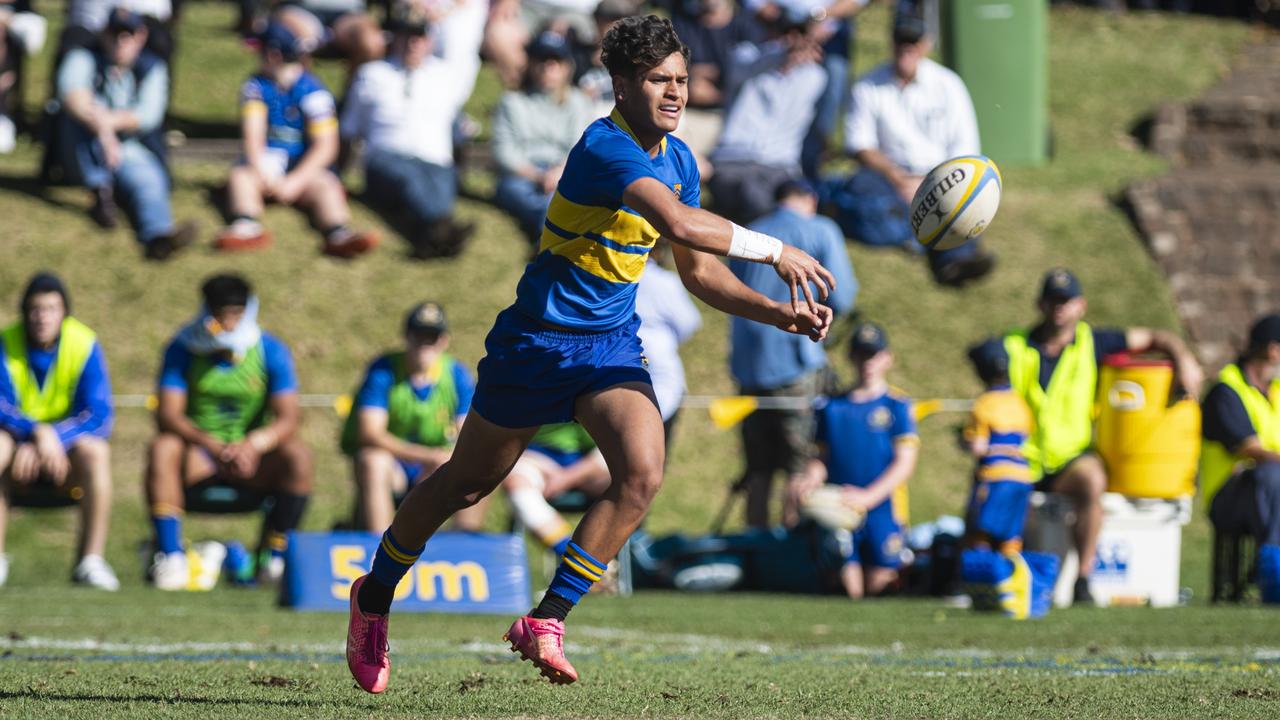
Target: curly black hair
point(636, 44)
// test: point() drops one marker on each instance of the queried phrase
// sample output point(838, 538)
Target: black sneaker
point(104, 211)
point(1081, 594)
point(957, 273)
point(164, 246)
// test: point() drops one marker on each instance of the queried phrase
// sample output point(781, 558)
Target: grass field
point(72, 653)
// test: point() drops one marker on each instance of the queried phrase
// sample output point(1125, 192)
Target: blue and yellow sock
point(578, 571)
point(166, 522)
point(390, 563)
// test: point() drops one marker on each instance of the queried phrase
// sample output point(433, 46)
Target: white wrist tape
point(754, 246)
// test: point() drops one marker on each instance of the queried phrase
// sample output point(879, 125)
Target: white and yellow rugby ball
point(956, 202)
point(827, 507)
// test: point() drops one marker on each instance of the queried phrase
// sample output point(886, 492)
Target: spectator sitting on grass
point(905, 117)
point(868, 446)
point(406, 416)
point(533, 130)
point(767, 118)
point(55, 418)
point(289, 135)
point(1240, 460)
point(342, 27)
point(403, 109)
point(114, 103)
point(227, 422)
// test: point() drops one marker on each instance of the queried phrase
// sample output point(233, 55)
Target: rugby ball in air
point(827, 507)
point(956, 202)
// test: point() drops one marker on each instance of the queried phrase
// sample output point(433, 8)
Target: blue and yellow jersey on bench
point(593, 246)
point(1001, 417)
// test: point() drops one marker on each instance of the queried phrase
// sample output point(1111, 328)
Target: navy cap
point(276, 36)
point(41, 283)
point(1265, 330)
point(868, 339)
point(122, 20)
point(990, 359)
point(1060, 285)
point(549, 46)
point(909, 22)
point(793, 186)
point(427, 317)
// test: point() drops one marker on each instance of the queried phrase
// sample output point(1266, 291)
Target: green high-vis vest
point(227, 401)
point(1217, 462)
point(426, 421)
point(1065, 410)
point(51, 401)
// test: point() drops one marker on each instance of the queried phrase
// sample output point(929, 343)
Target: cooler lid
point(1128, 360)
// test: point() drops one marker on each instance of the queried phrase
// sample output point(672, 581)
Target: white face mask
point(199, 336)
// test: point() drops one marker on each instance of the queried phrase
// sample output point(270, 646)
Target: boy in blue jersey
point(997, 428)
point(868, 445)
point(289, 128)
point(567, 348)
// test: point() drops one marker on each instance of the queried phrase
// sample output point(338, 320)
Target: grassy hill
point(1108, 71)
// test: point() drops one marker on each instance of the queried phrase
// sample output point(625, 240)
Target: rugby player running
point(567, 349)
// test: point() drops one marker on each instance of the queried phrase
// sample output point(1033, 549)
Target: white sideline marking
point(667, 643)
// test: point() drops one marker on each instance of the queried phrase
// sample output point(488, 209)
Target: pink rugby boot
point(541, 642)
point(367, 645)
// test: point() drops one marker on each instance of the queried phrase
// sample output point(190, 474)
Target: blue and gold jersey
point(593, 246)
point(294, 115)
point(1002, 418)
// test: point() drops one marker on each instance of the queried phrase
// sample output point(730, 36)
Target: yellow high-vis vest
point(51, 401)
point(1217, 462)
point(1064, 411)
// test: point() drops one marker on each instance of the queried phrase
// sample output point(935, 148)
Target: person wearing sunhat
point(405, 416)
point(289, 136)
point(767, 361)
point(55, 420)
point(868, 446)
point(1054, 366)
point(534, 128)
point(1240, 457)
point(403, 108)
point(114, 101)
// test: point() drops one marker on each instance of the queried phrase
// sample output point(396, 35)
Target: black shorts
point(44, 494)
point(217, 495)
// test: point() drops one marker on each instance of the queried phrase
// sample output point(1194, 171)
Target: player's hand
point(53, 456)
point(812, 325)
point(907, 185)
point(26, 464)
point(797, 269)
point(112, 152)
point(551, 178)
point(241, 459)
point(855, 497)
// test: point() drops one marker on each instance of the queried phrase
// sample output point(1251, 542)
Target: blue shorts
point(879, 541)
point(532, 375)
point(998, 508)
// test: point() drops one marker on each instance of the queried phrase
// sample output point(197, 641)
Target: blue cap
point(549, 45)
point(868, 339)
point(1060, 285)
point(122, 20)
point(910, 24)
point(990, 359)
point(427, 317)
point(275, 36)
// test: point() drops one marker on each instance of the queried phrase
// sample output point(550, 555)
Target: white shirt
point(917, 126)
point(667, 318)
point(411, 112)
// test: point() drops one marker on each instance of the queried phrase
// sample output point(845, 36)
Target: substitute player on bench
point(567, 349)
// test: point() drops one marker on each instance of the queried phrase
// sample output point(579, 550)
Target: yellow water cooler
point(1151, 446)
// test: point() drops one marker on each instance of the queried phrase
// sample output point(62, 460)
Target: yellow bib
point(1064, 411)
point(51, 401)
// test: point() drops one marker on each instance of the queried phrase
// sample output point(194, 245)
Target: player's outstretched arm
point(707, 232)
point(713, 283)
